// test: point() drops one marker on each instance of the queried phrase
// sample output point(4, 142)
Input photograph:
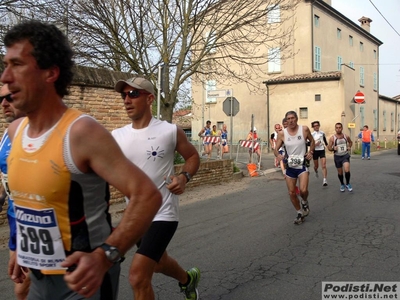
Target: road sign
point(351, 125)
point(359, 97)
point(227, 106)
point(218, 93)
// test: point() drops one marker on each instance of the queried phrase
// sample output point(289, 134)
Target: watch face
point(113, 254)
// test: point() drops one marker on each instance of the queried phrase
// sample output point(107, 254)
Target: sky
point(389, 51)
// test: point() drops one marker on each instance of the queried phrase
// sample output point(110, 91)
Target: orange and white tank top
point(59, 209)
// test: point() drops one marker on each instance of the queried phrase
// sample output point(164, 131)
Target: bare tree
point(193, 39)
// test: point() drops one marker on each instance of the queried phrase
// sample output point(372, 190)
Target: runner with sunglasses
point(151, 144)
point(10, 114)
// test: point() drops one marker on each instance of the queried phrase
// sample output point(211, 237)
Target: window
point(384, 120)
point(316, 21)
point(210, 38)
point(303, 112)
point(339, 33)
point(219, 125)
point(375, 111)
point(274, 60)
point(351, 64)
point(318, 97)
point(339, 63)
point(398, 121)
point(375, 81)
point(211, 85)
point(361, 46)
point(350, 40)
point(374, 54)
point(362, 76)
point(317, 59)
point(274, 14)
point(392, 121)
point(362, 121)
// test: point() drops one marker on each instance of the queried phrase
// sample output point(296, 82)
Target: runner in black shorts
point(319, 153)
point(340, 144)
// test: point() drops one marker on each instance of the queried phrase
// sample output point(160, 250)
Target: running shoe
point(342, 187)
point(324, 182)
point(299, 219)
point(316, 173)
point(190, 289)
point(349, 187)
point(306, 208)
point(368, 158)
point(362, 158)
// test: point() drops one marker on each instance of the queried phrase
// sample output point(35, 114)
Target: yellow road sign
point(351, 125)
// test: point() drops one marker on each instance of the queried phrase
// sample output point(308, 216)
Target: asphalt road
point(247, 247)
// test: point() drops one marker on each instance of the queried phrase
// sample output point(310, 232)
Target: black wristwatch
point(187, 175)
point(112, 253)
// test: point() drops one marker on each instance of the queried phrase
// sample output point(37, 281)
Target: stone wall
point(92, 92)
point(212, 172)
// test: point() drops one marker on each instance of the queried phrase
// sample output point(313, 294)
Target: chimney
point(365, 23)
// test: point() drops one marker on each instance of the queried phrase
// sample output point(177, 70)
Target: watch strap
point(187, 175)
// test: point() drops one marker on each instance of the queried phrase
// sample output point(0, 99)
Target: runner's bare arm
point(330, 144)
point(308, 135)
point(93, 149)
point(349, 141)
point(278, 145)
point(192, 162)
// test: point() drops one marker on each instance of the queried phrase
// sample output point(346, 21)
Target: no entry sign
point(359, 97)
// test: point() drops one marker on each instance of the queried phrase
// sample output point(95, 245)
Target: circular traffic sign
point(359, 97)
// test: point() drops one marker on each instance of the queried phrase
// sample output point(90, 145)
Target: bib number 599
point(36, 240)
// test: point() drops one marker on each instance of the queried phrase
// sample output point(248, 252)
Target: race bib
point(342, 148)
point(295, 161)
point(39, 243)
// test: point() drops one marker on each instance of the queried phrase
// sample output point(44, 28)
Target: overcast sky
point(389, 52)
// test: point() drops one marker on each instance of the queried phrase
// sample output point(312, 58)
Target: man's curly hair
point(50, 48)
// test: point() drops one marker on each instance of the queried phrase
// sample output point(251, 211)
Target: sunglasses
point(133, 94)
point(7, 97)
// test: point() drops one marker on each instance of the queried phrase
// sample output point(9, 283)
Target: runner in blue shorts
point(297, 160)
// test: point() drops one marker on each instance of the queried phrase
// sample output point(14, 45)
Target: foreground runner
point(298, 159)
point(59, 168)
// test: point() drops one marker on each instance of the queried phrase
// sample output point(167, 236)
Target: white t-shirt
point(152, 149)
point(295, 148)
point(319, 137)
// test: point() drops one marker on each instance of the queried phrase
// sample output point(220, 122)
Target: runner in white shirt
point(294, 137)
point(319, 153)
point(151, 144)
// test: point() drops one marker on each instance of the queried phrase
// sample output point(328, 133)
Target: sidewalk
point(267, 162)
